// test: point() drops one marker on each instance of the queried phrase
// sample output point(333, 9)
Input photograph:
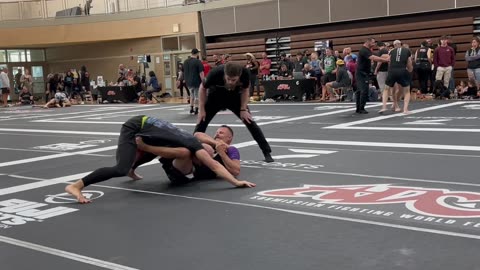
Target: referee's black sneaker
point(268, 158)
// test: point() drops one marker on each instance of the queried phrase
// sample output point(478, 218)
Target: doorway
point(170, 68)
point(38, 77)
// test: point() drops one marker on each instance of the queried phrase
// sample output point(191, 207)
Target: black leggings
point(182, 85)
point(126, 154)
point(231, 100)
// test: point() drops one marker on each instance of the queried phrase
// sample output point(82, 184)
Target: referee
point(228, 88)
point(362, 74)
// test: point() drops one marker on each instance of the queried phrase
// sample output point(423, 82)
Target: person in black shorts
point(399, 71)
point(228, 88)
point(154, 132)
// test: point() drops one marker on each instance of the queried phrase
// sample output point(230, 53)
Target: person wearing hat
point(342, 79)
point(401, 65)
point(194, 76)
point(252, 65)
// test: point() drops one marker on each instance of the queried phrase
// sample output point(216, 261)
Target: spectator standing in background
point(194, 77)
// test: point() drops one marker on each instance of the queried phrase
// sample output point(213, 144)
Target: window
point(20, 55)
point(16, 56)
point(3, 56)
point(170, 43)
point(179, 43)
point(35, 55)
point(187, 43)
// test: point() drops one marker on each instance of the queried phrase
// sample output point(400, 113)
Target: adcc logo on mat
point(64, 198)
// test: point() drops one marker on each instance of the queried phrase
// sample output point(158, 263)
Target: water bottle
point(455, 94)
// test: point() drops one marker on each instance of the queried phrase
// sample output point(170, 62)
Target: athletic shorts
point(402, 77)
point(202, 172)
point(338, 85)
point(5, 91)
point(328, 77)
point(174, 175)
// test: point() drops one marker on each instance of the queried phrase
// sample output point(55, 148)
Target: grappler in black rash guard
point(154, 132)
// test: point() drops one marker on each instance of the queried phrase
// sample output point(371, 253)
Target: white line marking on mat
point(409, 129)
point(121, 112)
point(53, 131)
point(379, 118)
point(312, 151)
point(313, 115)
point(380, 144)
point(65, 254)
point(388, 151)
point(294, 156)
point(26, 177)
point(47, 151)
point(122, 122)
point(35, 159)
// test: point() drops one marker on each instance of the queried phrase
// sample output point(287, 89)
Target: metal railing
point(44, 9)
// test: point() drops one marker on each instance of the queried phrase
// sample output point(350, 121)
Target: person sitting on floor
point(471, 91)
point(25, 97)
point(440, 91)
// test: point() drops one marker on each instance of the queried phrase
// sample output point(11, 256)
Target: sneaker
point(363, 112)
point(268, 158)
point(191, 110)
point(196, 111)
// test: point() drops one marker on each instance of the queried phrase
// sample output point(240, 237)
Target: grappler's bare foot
point(382, 111)
point(134, 176)
point(76, 190)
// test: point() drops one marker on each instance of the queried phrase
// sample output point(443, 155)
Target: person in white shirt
point(5, 82)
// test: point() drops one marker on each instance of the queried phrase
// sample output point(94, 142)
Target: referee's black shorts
point(401, 76)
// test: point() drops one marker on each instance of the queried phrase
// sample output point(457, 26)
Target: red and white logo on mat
point(424, 201)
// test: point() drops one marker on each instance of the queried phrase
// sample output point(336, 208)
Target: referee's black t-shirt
point(364, 64)
point(399, 58)
point(383, 66)
point(216, 79)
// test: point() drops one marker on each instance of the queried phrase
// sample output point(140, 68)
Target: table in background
point(292, 87)
point(125, 94)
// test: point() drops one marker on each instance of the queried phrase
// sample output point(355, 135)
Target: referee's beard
point(231, 82)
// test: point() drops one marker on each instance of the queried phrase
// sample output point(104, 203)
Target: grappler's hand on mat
point(245, 184)
point(246, 116)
